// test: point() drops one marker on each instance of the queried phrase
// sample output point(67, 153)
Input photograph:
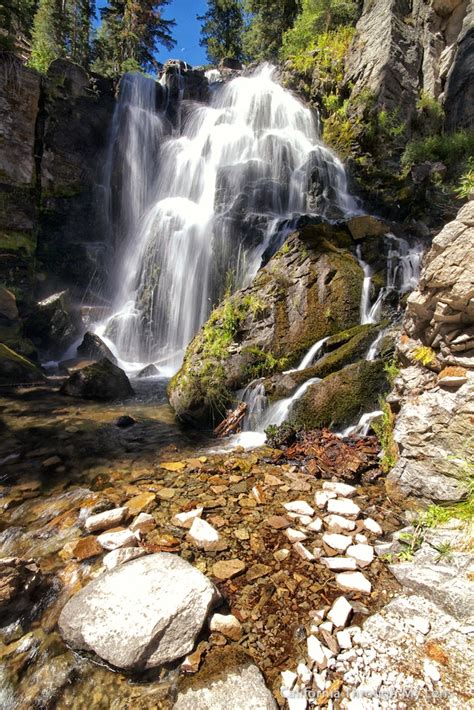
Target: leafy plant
point(392, 370)
point(383, 428)
point(466, 181)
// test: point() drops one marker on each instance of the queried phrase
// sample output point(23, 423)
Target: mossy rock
point(340, 398)
point(18, 242)
point(102, 381)
point(310, 289)
point(16, 369)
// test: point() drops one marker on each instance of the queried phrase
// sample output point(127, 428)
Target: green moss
point(425, 355)
point(14, 368)
point(11, 241)
point(383, 428)
point(263, 363)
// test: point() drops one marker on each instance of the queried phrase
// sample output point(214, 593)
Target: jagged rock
point(102, 380)
point(53, 324)
point(18, 579)
point(94, 348)
point(107, 519)
point(16, 369)
point(310, 288)
point(8, 307)
point(230, 63)
point(149, 371)
point(364, 226)
point(142, 614)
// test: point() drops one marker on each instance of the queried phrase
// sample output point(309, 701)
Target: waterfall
point(311, 354)
point(217, 199)
point(363, 425)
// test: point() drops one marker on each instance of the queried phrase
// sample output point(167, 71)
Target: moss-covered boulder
point(340, 398)
point(310, 289)
point(16, 369)
point(103, 381)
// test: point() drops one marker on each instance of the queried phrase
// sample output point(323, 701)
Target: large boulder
point(339, 399)
point(94, 348)
point(102, 380)
point(310, 289)
point(143, 614)
point(53, 324)
point(16, 369)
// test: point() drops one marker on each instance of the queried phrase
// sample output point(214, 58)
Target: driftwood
point(232, 421)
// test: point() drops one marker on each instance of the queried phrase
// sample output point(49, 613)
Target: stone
point(173, 465)
point(18, 579)
point(344, 506)
point(279, 522)
point(300, 507)
point(340, 612)
point(339, 564)
point(185, 520)
point(420, 623)
point(295, 535)
point(364, 226)
point(341, 489)
point(363, 554)
point(337, 523)
point(125, 421)
point(107, 519)
point(142, 503)
point(372, 526)
point(315, 525)
point(230, 690)
point(155, 606)
point(288, 679)
point(362, 539)
point(16, 369)
point(344, 639)
point(119, 557)
point(281, 554)
point(114, 540)
point(321, 498)
point(227, 569)
point(149, 371)
point(315, 652)
point(258, 570)
point(102, 381)
point(204, 535)
point(353, 582)
point(304, 673)
point(228, 625)
point(303, 552)
point(166, 493)
point(8, 307)
point(86, 547)
point(336, 541)
point(143, 523)
point(431, 671)
point(94, 348)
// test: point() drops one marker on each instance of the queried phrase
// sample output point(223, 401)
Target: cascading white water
point(226, 190)
point(310, 355)
point(362, 427)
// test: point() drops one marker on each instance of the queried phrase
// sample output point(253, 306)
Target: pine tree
point(222, 29)
point(269, 20)
point(78, 27)
point(47, 36)
point(16, 23)
point(129, 36)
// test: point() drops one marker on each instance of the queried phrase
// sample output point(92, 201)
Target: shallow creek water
point(60, 457)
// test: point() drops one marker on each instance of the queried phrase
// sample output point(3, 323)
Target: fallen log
point(232, 421)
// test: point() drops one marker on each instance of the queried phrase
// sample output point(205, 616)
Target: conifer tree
point(222, 29)
point(16, 23)
point(47, 35)
point(269, 20)
point(78, 28)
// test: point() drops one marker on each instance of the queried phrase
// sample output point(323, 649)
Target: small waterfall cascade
point(310, 356)
point(362, 427)
point(217, 199)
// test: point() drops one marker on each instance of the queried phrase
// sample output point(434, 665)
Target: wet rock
point(340, 489)
point(149, 371)
point(353, 582)
point(119, 557)
point(102, 381)
point(142, 503)
point(85, 548)
point(155, 606)
point(185, 520)
point(18, 579)
point(53, 324)
point(121, 538)
point(227, 569)
point(232, 690)
point(342, 506)
point(226, 624)
point(204, 535)
point(125, 421)
point(94, 348)
point(143, 523)
point(16, 369)
point(107, 519)
point(300, 507)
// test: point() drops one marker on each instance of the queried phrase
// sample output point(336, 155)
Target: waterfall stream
point(212, 200)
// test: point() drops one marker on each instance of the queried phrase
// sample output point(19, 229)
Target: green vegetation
point(466, 181)
point(383, 428)
point(268, 21)
point(392, 370)
point(222, 29)
point(450, 149)
point(47, 43)
point(425, 355)
point(263, 364)
point(16, 21)
point(317, 19)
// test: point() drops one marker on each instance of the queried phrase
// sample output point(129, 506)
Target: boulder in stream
point(102, 380)
point(142, 614)
point(94, 348)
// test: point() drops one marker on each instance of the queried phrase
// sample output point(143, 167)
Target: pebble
point(362, 539)
point(321, 498)
point(300, 507)
point(226, 569)
point(420, 624)
point(336, 541)
point(315, 525)
point(337, 523)
point(340, 612)
point(185, 520)
point(430, 671)
point(315, 652)
point(304, 673)
point(288, 679)
point(372, 526)
point(353, 582)
point(295, 535)
point(281, 555)
point(228, 625)
point(120, 556)
point(339, 564)
point(363, 554)
point(143, 523)
point(344, 506)
point(105, 520)
point(327, 626)
point(340, 489)
point(204, 535)
point(344, 639)
point(303, 552)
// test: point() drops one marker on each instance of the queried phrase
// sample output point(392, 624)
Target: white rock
point(340, 612)
point(321, 498)
point(226, 624)
point(304, 673)
point(430, 671)
point(143, 523)
point(373, 526)
point(315, 525)
point(318, 615)
point(327, 626)
point(300, 507)
point(303, 552)
point(337, 523)
point(363, 554)
point(114, 540)
point(339, 564)
point(341, 489)
point(320, 681)
point(142, 614)
point(288, 679)
point(327, 652)
point(295, 535)
point(353, 582)
point(297, 700)
point(120, 556)
point(420, 623)
point(344, 506)
point(344, 639)
point(185, 520)
point(362, 539)
point(336, 541)
point(105, 520)
point(315, 652)
point(203, 535)
point(305, 520)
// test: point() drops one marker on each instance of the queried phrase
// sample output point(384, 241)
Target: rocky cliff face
point(402, 48)
point(435, 390)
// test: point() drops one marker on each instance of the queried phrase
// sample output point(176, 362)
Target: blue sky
point(186, 31)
